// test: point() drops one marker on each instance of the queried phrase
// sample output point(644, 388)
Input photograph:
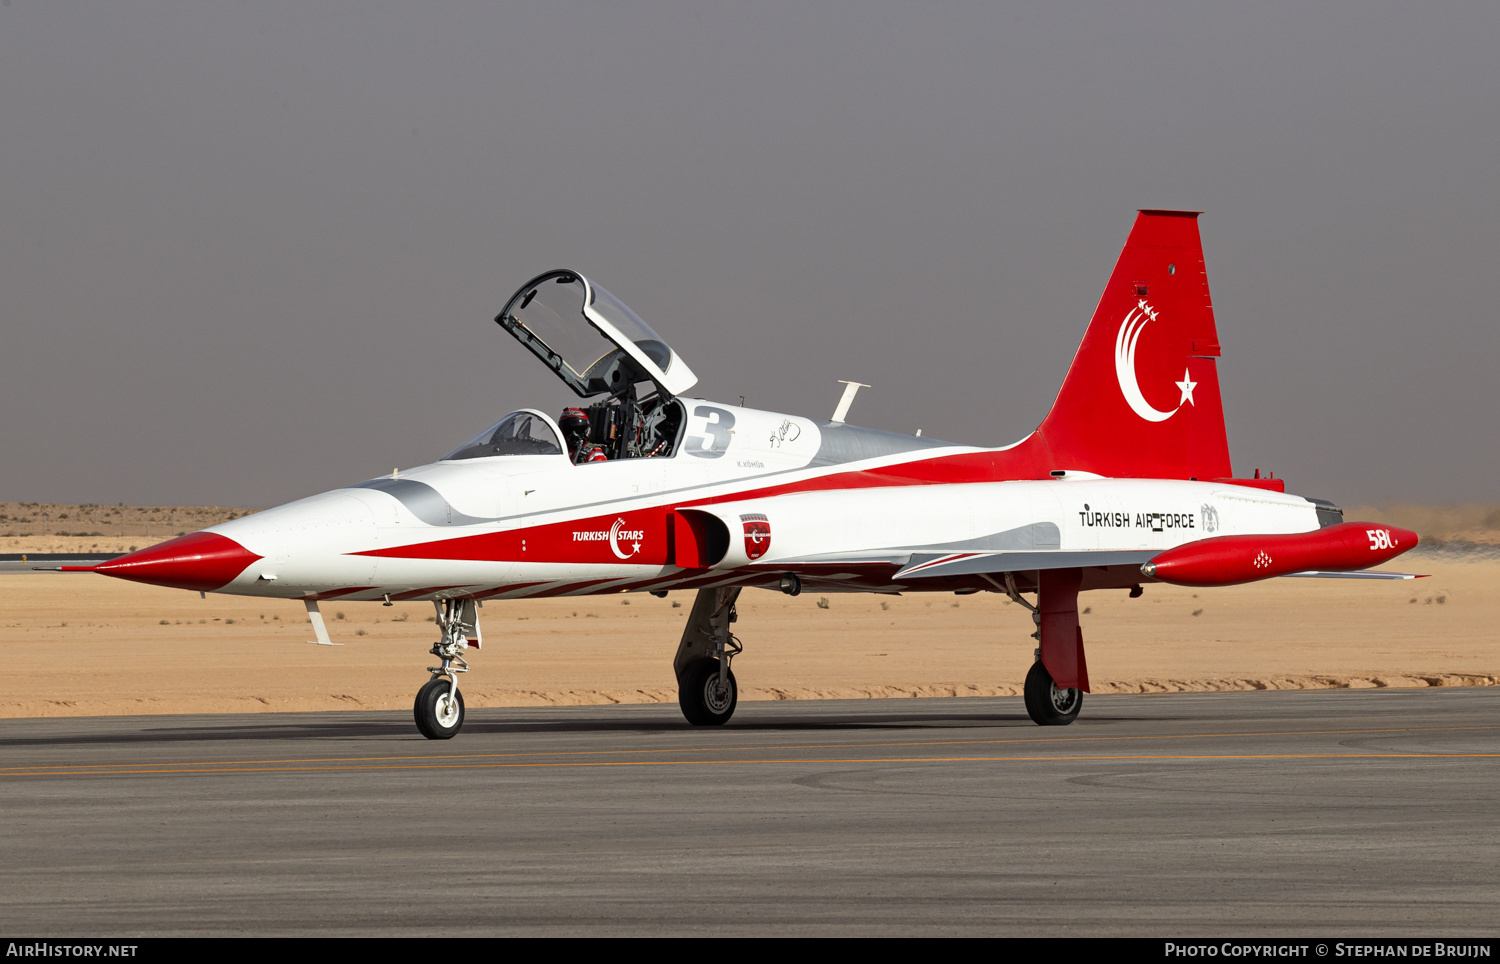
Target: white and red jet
point(1127, 481)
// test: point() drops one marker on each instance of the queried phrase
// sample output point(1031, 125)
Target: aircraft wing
point(924, 565)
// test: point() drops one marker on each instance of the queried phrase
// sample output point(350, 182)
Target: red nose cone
point(203, 561)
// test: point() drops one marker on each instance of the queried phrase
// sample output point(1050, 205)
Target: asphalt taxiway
point(1268, 813)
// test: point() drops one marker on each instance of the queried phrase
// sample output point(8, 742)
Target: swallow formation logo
point(1130, 332)
point(617, 533)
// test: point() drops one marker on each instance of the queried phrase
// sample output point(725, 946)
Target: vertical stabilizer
point(1142, 398)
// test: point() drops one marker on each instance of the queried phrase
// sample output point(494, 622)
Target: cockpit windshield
point(519, 433)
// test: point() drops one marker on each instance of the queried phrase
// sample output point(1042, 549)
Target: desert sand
point(31, 527)
point(83, 644)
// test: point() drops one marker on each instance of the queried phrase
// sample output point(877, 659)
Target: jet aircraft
point(1126, 482)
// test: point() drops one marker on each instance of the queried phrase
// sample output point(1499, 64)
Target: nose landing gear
point(439, 707)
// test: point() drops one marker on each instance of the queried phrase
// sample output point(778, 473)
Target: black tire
point(435, 719)
point(702, 700)
point(1046, 703)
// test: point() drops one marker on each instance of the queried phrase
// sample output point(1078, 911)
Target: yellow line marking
point(778, 746)
point(809, 760)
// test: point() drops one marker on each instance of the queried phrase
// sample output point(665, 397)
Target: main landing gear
point(1048, 704)
point(1058, 679)
point(706, 690)
point(439, 707)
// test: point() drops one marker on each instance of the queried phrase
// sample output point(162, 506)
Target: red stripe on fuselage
point(1008, 465)
point(640, 536)
point(636, 537)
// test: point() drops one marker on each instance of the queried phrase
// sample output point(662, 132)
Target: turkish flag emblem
point(757, 534)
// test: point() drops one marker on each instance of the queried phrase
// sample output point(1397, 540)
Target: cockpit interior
point(626, 374)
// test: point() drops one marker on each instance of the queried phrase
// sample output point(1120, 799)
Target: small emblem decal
point(1210, 518)
point(757, 534)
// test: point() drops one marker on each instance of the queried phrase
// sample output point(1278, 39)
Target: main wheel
point(1047, 703)
point(704, 700)
point(438, 715)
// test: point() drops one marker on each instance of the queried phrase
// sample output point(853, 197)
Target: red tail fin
point(1142, 396)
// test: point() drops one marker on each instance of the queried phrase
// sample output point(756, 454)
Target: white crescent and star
point(1130, 332)
point(614, 541)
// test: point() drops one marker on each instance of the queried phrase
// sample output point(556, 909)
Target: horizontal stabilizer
point(1359, 574)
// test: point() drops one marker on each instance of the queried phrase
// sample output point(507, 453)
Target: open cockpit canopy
point(590, 338)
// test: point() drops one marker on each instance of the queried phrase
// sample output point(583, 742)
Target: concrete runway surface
point(1237, 814)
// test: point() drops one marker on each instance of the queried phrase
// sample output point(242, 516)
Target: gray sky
point(252, 251)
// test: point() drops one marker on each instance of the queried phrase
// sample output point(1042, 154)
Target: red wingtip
point(203, 561)
point(1228, 560)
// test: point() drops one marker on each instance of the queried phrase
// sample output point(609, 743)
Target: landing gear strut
point(1058, 679)
point(439, 707)
point(706, 689)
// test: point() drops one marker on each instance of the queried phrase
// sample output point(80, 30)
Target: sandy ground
point(81, 644)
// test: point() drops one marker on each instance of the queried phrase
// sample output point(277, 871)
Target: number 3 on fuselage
point(709, 432)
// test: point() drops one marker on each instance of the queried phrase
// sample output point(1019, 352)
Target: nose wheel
point(439, 709)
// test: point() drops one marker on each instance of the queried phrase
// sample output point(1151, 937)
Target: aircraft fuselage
point(847, 508)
